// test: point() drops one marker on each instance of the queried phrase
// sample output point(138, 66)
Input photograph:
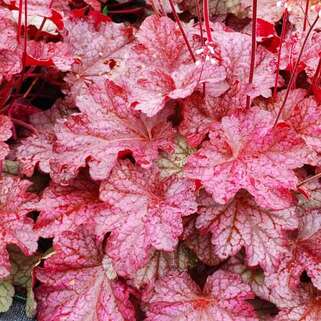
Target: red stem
point(293, 75)
point(40, 28)
point(163, 13)
point(24, 54)
point(182, 30)
point(19, 20)
point(25, 34)
point(25, 125)
point(283, 32)
point(200, 20)
point(200, 23)
point(207, 20)
point(27, 92)
point(124, 11)
point(253, 50)
point(156, 10)
point(317, 74)
point(117, 5)
point(310, 179)
point(307, 4)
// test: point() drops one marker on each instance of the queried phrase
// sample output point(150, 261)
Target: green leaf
point(172, 164)
point(6, 295)
point(31, 303)
point(22, 275)
point(105, 11)
point(11, 167)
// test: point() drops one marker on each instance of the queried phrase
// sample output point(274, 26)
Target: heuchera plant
point(160, 161)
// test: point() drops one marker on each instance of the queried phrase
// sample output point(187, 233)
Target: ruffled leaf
point(107, 125)
point(80, 274)
point(177, 297)
point(242, 223)
point(147, 213)
point(15, 227)
point(247, 152)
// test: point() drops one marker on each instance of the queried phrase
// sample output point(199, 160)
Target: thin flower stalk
point(253, 49)
point(293, 75)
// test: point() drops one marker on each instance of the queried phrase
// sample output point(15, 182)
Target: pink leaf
point(295, 304)
point(177, 297)
point(35, 7)
point(5, 133)
point(64, 208)
point(310, 56)
point(37, 149)
point(200, 110)
point(306, 249)
point(94, 3)
point(246, 152)
point(164, 68)
point(107, 126)
point(307, 309)
point(270, 11)
point(10, 59)
point(160, 263)
point(305, 119)
point(242, 223)
point(80, 274)
point(97, 51)
point(235, 49)
point(199, 243)
point(49, 54)
point(148, 213)
point(15, 226)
